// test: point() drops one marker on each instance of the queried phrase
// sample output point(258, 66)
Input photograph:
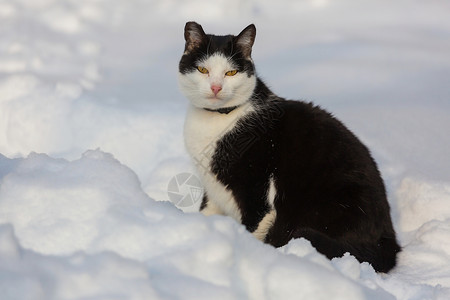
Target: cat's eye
point(231, 73)
point(202, 70)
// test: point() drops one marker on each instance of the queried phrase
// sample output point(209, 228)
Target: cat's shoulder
point(266, 101)
point(297, 109)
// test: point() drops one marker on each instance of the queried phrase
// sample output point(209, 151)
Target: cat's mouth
point(214, 103)
point(215, 98)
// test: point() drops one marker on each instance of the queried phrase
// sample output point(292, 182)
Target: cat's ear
point(194, 35)
point(245, 40)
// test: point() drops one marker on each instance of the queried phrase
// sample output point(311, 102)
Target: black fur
point(329, 189)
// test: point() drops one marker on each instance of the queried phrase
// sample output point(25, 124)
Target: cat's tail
point(381, 255)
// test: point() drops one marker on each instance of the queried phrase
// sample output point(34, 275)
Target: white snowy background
point(91, 134)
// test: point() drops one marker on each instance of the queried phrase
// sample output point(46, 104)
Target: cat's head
point(217, 71)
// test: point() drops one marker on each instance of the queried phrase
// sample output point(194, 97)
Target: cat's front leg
point(209, 208)
point(264, 225)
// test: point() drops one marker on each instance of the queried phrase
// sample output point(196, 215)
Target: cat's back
point(306, 118)
point(309, 129)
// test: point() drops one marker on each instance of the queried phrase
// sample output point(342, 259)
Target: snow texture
point(91, 126)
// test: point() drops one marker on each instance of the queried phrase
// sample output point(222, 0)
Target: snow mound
point(83, 74)
point(88, 223)
point(87, 227)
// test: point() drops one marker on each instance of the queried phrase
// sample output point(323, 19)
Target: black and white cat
point(284, 169)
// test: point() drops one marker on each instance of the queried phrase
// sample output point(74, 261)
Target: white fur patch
point(271, 193)
point(212, 209)
point(202, 130)
point(265, 224)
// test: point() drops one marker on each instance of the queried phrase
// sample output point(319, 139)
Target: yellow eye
point(231, 73)
point(202, 70)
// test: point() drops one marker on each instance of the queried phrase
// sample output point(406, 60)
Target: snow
point(91, 136)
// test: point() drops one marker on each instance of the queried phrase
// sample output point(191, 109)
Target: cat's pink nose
point(216, 89)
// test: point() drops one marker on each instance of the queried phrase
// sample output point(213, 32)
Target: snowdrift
point(98, 224)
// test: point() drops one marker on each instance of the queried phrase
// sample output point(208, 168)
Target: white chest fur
point(202, 130)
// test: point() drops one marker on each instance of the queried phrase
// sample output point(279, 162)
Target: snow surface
point(91, 135)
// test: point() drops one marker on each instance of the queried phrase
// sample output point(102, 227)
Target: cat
point(284, 169)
